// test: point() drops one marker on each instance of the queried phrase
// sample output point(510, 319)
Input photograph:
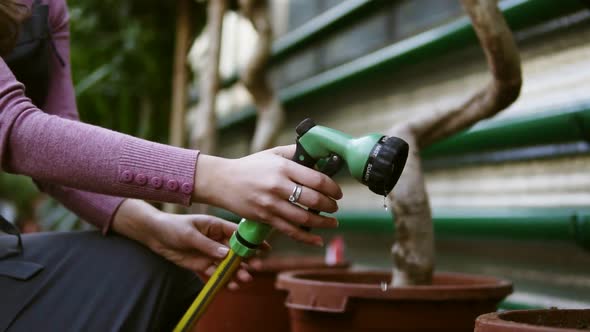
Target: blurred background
point(510, 196)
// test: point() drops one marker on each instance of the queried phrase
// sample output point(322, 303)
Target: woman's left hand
point(194, 242)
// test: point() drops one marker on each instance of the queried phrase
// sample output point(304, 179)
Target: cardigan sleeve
point(89, 169)
point(95, 208)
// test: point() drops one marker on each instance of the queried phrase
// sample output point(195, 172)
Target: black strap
point(29, 61)
point(8, 228)
point(55, 52)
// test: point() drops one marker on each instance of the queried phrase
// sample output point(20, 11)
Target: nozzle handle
point(302, 157)
point(332, 166)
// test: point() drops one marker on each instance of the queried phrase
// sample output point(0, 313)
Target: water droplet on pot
point(384, 286)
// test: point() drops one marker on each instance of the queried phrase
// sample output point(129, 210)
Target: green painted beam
point(569, 124)
point(315, 29)
point(541, 224)
point(548, 224)
point(516, 305)
point(322, 25)
point(424, 46)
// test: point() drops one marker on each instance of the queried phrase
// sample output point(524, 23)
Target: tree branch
point(413, 251)
point(504, 63)
point(254, 76)
point(203, 135)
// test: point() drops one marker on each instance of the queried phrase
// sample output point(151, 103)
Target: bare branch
point(254, 76)
point(203, 136)
point(413, 251)
point(179, 80)
point(504, 63)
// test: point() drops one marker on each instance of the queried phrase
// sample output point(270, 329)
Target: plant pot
point(355, 301)
point(535, 321)
point(257, 305)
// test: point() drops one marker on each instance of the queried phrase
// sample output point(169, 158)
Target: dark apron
point(29, 61)
point(85, 281)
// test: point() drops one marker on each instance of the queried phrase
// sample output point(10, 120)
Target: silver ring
point(295, 194)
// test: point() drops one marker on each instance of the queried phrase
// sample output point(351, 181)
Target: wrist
point(209, 180)
point(136, 219)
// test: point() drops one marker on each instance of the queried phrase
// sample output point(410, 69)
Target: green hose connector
point(249, 237)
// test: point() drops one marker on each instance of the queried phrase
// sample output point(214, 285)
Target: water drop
point(385, 203)
point(384, 286)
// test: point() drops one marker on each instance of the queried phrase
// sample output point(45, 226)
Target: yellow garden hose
point(218, 280)
point(375, 160)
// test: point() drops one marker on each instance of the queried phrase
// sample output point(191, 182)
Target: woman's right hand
point(258, 186)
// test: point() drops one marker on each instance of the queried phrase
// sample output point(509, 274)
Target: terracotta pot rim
point(496, 320)
point(275, 264)
point(322, 295)
point(488, 282)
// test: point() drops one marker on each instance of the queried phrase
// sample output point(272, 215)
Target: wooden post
point(179, 79)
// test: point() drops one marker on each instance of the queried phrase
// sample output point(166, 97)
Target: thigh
point(94, 283)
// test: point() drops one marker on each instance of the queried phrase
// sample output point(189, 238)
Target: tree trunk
point(179, 79)
point(271, 115)
point(413, 251)
point(204, 133)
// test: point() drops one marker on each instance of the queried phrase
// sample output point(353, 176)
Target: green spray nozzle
point(374, 159)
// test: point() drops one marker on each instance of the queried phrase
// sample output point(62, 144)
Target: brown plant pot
point(257, 305)
point(535, 321)
point(350, 301)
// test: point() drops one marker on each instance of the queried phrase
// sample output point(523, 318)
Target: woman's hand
point(258, 186)
point(194, 242)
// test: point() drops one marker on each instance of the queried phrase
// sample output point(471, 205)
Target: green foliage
point(52, 216)
point(121, 54)
point(20, 190)
point(122, 63)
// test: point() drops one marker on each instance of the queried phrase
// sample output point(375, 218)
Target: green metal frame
point(509, 304)
point(455, 35)
point(322, 25)
point(568, 124)
point(315, 29)
point(546, 224)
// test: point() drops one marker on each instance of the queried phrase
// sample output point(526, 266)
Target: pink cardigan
point(87, 168)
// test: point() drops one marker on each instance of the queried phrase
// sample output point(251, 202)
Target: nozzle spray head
point(375, 160)
point(385, 164)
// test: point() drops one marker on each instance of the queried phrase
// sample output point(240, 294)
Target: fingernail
point(319, 242)
point(222, 251)
point(210, 270)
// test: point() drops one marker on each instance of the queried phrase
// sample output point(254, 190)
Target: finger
point(221, 227)
point(255, 263)
point(313, 179)
point(295, 233)
point(286, 151)
point(207, 246)
point(243, 276)
point(200, 265)
point(300, 216)
point(311, 198)
point(210, 270)
point(265, 246)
